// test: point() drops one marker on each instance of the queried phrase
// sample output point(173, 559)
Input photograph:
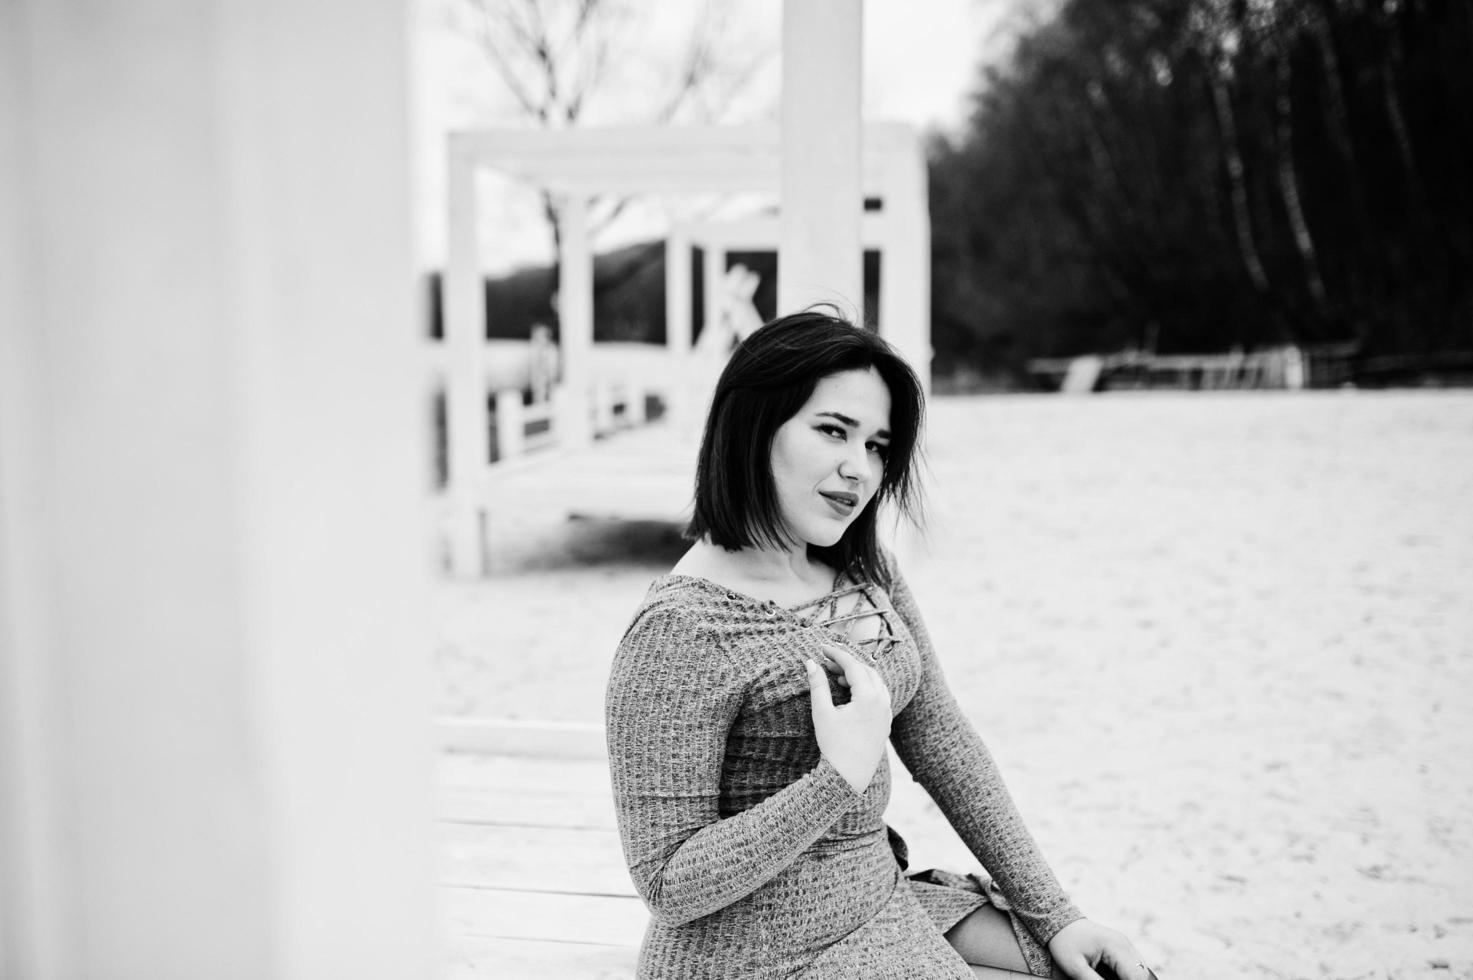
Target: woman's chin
point(825, 538)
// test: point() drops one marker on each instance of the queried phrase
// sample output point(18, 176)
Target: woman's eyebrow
point(852, 423)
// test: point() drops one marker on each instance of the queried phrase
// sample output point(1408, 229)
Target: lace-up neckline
point(848, 610)
point(851, 612)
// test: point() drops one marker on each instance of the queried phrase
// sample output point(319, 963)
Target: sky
point(916, 69)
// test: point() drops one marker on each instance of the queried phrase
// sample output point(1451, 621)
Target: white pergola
point(577, 165)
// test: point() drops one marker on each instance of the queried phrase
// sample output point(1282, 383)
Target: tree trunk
point(1338, 114)
point(1289, 181)
point(1237, 186)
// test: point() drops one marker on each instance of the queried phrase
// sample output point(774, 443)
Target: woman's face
point(827, 460)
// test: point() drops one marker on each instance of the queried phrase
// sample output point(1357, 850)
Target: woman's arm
point(672, 698)
point(948, 758)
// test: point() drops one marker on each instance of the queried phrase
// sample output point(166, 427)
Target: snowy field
point(1221, 644)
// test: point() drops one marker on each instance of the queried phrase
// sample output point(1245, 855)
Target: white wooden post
point(679, 330)
point(467, 442)
point(681, 398)
point(634, 407)
point(603, 405)
point(575, 315)
point(511, 425)
point(713, 271)
point(1294, 368)
point(819, 257)
point(905, 263)
point(213, 656)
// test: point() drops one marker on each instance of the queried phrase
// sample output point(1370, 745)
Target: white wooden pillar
point(511, 424)
point(713, 271)
point(682, 398)
point(905, 263)
point(575, 316)
point(819, 255)
point(466, 416)
point(679, 330)
point(213, 655)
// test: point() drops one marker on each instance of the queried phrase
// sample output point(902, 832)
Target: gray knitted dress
point(755, 857)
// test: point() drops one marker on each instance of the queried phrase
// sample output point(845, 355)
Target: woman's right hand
point(851, 736)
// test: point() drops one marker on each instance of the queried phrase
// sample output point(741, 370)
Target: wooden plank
point(505, 914)
point(510, 774)
point(477, 958)
point(532, 858)
point(524, 808)
point(516, 737)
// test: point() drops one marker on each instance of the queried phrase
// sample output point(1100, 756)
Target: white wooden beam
point(819, 259)
point(672, 159)
point(764, 234)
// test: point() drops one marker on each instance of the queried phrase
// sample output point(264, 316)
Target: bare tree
point(564, 61)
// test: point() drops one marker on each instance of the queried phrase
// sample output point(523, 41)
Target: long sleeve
point(949, 759)
point(671, 700)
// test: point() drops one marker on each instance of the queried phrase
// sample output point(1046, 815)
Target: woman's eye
point(832, 430)
point(880, 448)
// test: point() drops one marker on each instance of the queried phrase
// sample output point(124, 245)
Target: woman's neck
point(776, 569)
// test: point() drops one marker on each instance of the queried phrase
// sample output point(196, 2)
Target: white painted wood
point(36, 934)
point(764, 233)
point(505, 914)
point(516, 775)
point(477, 958)
point(604, 398)
point(644, 474)
point(674, 159)
point(543, 739)
point(575, 316)
point(463, 305)
point(678, 287)
point(216, 610)
point(679, 330)
point(713, 269)
point(635, 408)
point(511, 424)
point(547, 859)
point(526, 808)
point(819, 258)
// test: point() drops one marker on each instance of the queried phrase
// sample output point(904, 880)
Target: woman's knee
point(985, 939)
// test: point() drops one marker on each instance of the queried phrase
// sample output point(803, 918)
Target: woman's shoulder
point(678, 640)
point(668, 604)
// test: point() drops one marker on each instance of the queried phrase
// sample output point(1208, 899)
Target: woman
point(750, 786)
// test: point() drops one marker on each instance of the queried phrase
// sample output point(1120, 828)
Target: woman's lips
point(842, 502)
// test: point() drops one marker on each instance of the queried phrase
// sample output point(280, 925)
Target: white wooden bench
point(532, 878)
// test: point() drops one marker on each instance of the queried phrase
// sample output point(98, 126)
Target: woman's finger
point(1078, 968)
point(818, 688)
point(859, 676)
point(828, 664)
point(1128, 963)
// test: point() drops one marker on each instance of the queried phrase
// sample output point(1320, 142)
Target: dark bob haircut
point(770, 376)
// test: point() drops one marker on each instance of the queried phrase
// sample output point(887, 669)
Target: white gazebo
point(577, 165)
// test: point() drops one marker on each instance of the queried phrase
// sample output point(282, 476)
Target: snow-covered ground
point(1221, 644)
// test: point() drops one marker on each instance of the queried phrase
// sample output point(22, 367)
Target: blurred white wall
point(214, 678)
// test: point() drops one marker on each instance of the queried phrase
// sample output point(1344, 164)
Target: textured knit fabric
point(756, 858)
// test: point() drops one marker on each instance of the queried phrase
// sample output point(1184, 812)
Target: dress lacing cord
point(848, 611)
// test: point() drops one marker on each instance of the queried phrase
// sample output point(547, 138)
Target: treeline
point(1199, 175)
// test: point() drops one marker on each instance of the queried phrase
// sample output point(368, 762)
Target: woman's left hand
point(1082, 945)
